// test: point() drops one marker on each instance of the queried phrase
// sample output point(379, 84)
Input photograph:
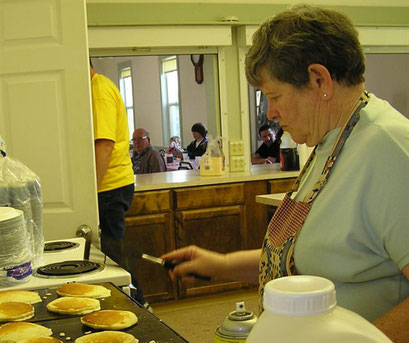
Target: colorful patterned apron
point(277, 258)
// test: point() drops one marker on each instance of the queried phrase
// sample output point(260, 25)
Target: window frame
point(122, 66)
point(166, 105)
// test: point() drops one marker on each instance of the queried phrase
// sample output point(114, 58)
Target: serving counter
point(190, 178)
point(175, 209)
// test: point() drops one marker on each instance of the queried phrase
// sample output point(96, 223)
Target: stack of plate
point(15, 253)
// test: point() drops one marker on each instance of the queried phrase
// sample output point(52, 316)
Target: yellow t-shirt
point(110, 122)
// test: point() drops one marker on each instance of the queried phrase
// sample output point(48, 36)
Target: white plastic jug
point(303, 308)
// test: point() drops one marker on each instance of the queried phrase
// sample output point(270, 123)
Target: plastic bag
point(20, 188)
point(213, 161)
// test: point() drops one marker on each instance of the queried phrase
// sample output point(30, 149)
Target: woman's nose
point(272, 113)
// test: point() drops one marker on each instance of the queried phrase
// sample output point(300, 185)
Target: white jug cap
point(299, 295)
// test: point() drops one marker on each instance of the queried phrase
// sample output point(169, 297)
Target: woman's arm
point(239, 265)
point(394, 324)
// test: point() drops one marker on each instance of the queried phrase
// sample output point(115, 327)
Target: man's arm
point(103, 151)
point(257, 159)
point(157, 163)
point(394, 324)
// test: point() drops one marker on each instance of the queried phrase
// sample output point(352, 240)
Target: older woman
point(349, 221)
point(199, 145)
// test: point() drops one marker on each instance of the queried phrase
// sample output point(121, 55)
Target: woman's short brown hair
point(286, 44)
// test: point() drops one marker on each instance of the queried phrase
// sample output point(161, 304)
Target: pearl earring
point(325, 95)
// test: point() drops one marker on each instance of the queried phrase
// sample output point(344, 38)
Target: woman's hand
point(195, 260)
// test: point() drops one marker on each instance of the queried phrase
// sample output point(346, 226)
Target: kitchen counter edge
point(191, 178)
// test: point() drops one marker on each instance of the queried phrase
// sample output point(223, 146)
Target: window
point(170, 97)
point(125, 86)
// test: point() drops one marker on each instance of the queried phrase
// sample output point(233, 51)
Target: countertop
point(190, 178)
point(270, 199)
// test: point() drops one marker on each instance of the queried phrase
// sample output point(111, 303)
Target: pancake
point(27, 297)
point(19, 331)
point(72, 305)
point(107, 337)
point(77, 289)
point(110, 319)
point(15, 311)
point(41, 340)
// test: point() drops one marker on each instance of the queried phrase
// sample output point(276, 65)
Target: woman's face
point(197, 136)
point(296, 109)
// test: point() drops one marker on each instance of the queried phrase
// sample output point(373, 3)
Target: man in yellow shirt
point(115, 179)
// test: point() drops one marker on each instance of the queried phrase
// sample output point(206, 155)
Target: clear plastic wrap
point(15, 252)
point(20, 188)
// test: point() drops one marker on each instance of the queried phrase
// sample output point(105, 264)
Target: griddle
point(148, 328)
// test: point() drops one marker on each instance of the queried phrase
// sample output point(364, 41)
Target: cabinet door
point(220, 229)
point(281, 185)
point(153, 235)
point(256, 214)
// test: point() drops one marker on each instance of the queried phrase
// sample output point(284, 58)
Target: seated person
point(269, 150)
point(174, 147)
point(199, 145)
point(145, 158)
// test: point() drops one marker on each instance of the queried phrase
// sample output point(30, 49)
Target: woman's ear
point(321, 80)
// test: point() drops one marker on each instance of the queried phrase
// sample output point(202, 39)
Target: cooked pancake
point(72, 305)
point(78, 289)
point(107, 337)
point(19, 331)
point(15, 311)
point(41, 340)
point(27, 297)
point(110, 319)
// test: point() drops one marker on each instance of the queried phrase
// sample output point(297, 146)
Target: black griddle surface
point(148, 328)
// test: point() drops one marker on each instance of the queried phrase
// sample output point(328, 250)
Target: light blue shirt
point(357, 232)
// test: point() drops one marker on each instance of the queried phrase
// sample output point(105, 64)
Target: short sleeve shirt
point(357, 232)
point(110, 122)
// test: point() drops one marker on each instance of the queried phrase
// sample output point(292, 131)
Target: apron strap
point(343, 135)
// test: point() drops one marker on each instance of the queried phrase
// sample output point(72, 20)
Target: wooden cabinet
point(211, 217)
point(221, 229)
point(150, 229)
point(154, 235)
point(205, 196)
point(256, 214)
point(222, 218)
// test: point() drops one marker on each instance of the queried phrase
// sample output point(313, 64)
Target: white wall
point(198, 101)
point(147, 103)
point(387, 76)
point(145, 74)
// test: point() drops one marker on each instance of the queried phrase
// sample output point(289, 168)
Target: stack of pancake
point(16, 305)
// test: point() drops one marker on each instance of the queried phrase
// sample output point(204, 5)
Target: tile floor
point(196, 319)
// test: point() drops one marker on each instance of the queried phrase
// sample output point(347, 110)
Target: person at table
point(175, 149)
point(349, 219)
point(145, 158)
point(269, 150)
point(199, 145)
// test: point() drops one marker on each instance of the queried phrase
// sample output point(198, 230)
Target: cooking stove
point(63, 257)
